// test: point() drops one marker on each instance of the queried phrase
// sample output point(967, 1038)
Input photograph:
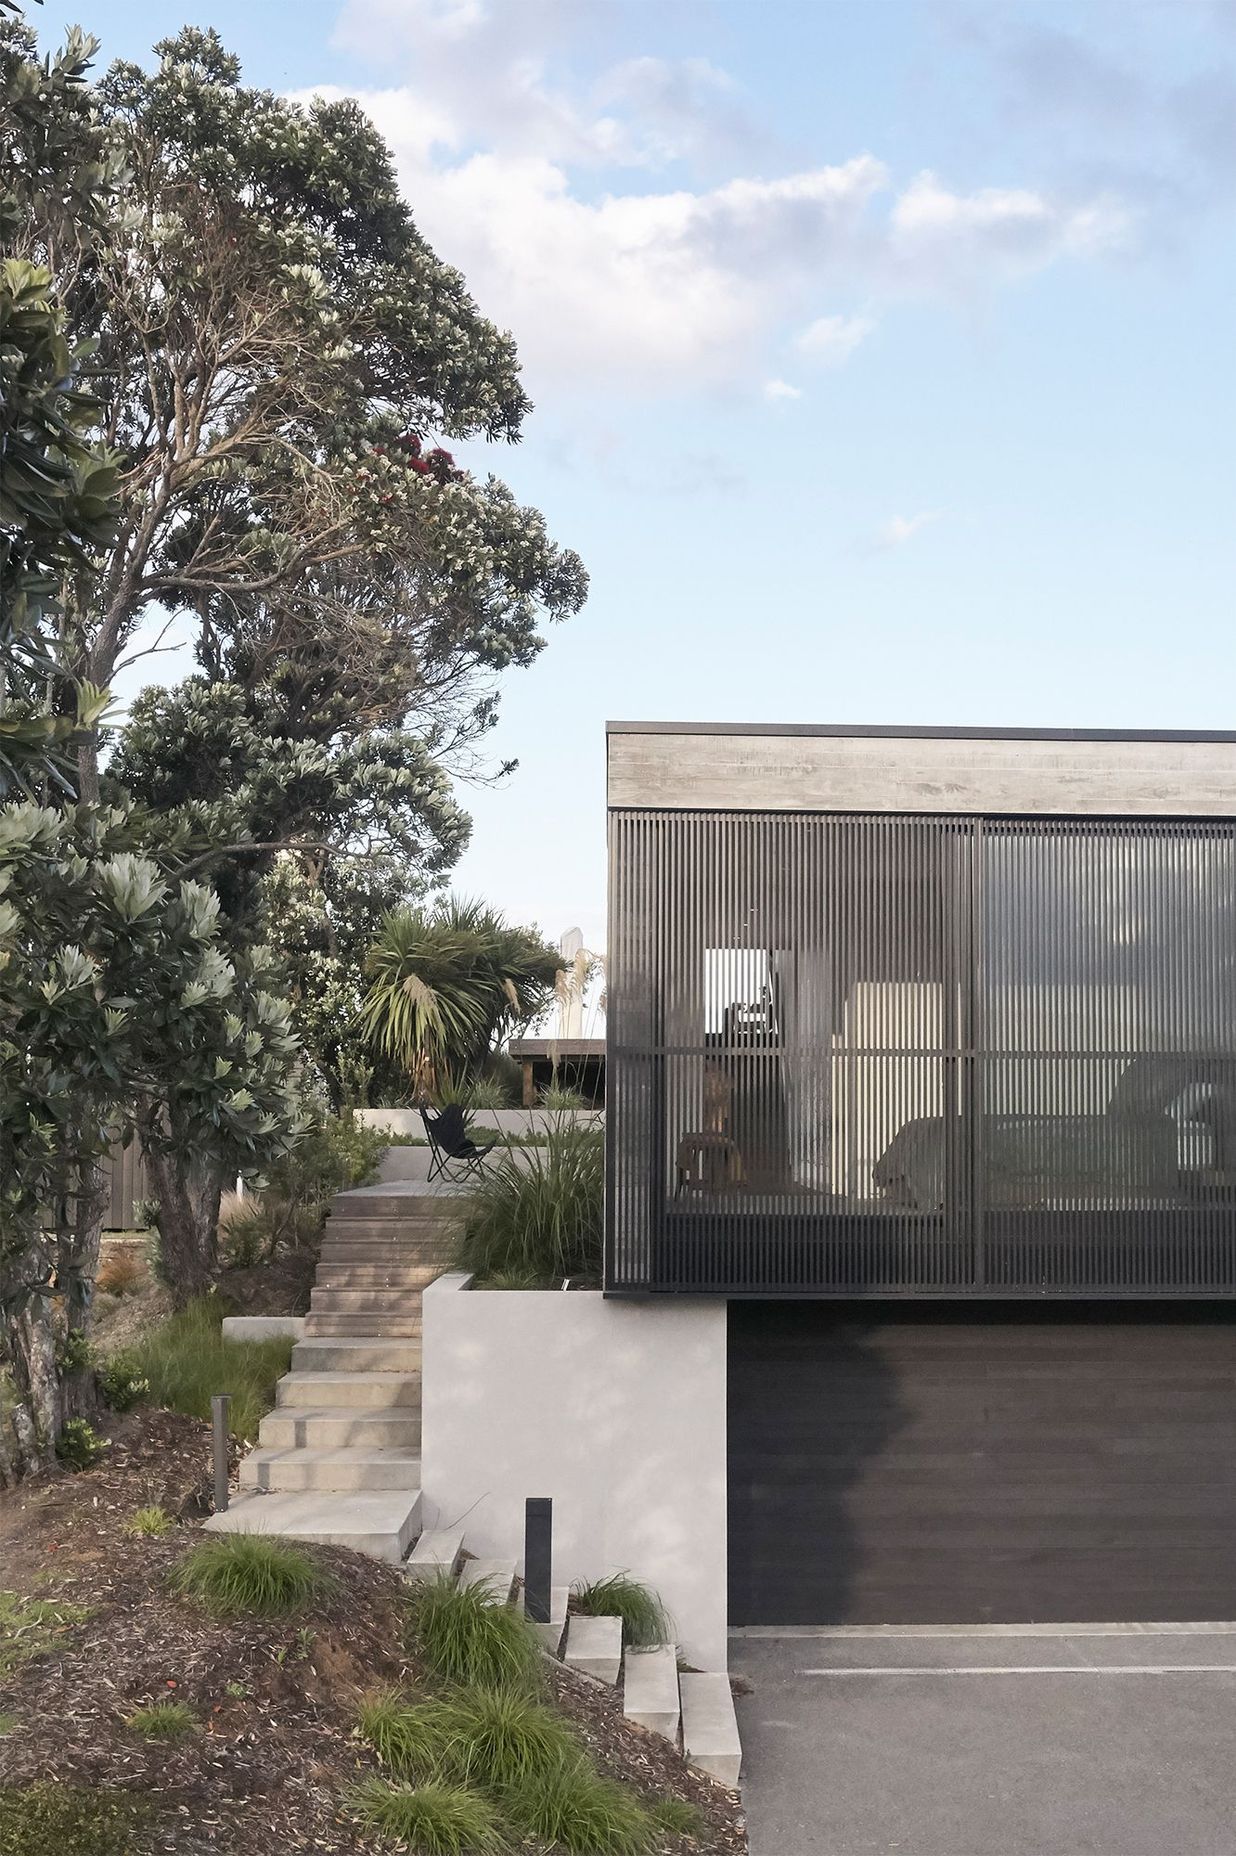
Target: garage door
point(994, 1466)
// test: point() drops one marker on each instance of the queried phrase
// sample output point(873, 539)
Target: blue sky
point(881, 353)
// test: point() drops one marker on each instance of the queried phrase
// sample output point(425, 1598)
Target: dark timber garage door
point(1003, 1465)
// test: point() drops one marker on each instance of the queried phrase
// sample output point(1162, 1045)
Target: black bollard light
point(538, 1557)
point(218, 1412)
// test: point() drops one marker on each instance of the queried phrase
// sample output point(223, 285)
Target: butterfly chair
point(454, 1152)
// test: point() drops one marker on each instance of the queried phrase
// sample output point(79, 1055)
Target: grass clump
point(30, 1626)
point(251, 1575)
point(645, 1622)
point(149, 1523)
point(572, 1806)
point(496, 1738)
point(66, 1820)
point(185, 1360)
point(674, 1817)
point(435, 1820)
point(466, 1638)
point(544, 1218)
point(162, 1720)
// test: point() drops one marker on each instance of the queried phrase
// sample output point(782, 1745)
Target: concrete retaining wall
point(615, 1409)
point(506, 1120)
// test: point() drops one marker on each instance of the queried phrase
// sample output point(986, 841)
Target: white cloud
point(833, 339)
point(781, 390)
point(898, 530)
point(529, 141)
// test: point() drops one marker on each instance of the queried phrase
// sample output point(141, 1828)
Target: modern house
point(922, 1057)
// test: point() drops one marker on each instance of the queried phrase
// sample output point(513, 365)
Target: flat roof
point(919, 732)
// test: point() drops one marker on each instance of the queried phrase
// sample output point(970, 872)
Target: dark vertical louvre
point(888, 1055)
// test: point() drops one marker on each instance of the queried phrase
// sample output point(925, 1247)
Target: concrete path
point(1034, 1741)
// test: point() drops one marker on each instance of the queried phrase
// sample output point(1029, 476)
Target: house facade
point(922, 1055)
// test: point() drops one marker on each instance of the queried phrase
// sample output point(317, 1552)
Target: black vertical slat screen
point(918, 1055)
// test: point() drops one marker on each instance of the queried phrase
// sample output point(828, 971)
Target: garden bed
point(271, 1754)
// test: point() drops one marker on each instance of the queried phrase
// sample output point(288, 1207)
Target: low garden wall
point(505, 1120)
point(615, 1409)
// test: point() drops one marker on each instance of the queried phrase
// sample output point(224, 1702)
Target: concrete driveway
point(1026, 1741)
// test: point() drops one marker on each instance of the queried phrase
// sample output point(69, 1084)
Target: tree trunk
point(188, 1189)
point(30, 1407)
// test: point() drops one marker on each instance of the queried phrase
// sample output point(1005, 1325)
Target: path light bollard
point(218, 1412)
point(538, 1557)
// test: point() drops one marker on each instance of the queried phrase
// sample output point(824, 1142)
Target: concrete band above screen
point(1070, 775)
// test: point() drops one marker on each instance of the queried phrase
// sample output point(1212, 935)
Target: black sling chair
point(454, 1153)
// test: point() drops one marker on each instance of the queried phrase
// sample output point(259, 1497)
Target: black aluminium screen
point(883, 1055)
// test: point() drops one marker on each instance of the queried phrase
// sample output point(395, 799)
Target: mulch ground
point(273, 1756)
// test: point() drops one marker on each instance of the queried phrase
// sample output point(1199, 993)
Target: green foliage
point(79, 1445)
point(121, 1381)
point(31, 1626)
point(447, 983)
point(474, 1092)
point(540, 1214)
point(496, 1738)
point(337, 1153)
point(434, 1820)
point(162, 1720)
point(149, 1523)
point(466, 1638)
point(676, 1817)
point(644, 1620)
point(252, 1575)
point(50, 1819)
point(186, 1361)
point(557, 1095)
point(572, 1807)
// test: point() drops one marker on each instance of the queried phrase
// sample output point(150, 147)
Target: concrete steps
point(650, 1689)
point(381, 1525)
point(301, 1467)
point(496, 1576)
point(366, 1391)
point(436, 1554)
point(335, 1427)
point(594, 1647)
point(710, 1726)
point(368, 1354)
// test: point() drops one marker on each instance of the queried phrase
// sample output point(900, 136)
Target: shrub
point(541, 1212)
point(251, 1575)
point(79, 1445)
point(121, 1381)
point(289, 1214)
point(121, 1274)
point(436, 1820)
point(186, 1360)
point(562, 1096)
point(149, 1523)
point(644, 1619)
point(466, 1638)
point(162, 1720)
point(62, 1820)
point(572, 1806)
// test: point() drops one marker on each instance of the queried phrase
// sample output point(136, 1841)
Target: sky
point(881, 353)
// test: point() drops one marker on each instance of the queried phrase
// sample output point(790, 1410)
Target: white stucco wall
point(615, 1409)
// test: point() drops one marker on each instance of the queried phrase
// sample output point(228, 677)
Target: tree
point(275, 346)
point(106, 964)
point(449, 983)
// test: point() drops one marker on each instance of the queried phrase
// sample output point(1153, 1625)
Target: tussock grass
point(645, 1622)
point(251, 1575)
point(435, 1820)
point(497, 1738)
point(544, 1219)
point(162, 1720)
point(186, 1361)
point(149, 1523)
point(466, 1638)
point(572, 1806)
point(675, 1817)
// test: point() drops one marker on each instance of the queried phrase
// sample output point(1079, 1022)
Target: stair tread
point(710, 1726)
point(437, 1550)
point(650, 1689)
point(551, 1634)
point(379, 1522)
point(339, 1453)
point(497, 1576)
point(594, 1645)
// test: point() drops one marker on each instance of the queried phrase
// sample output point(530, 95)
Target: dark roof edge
point(897, 731)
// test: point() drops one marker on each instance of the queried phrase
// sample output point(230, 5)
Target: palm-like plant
point(448, 983)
